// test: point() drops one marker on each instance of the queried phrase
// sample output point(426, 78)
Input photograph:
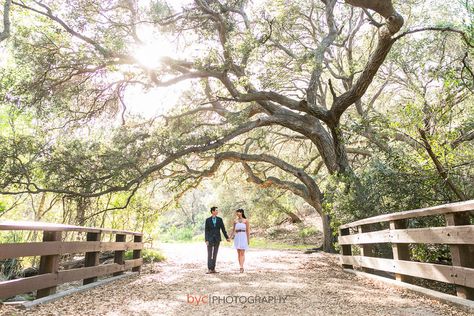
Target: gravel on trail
point(275, 282)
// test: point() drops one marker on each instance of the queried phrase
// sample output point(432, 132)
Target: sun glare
point(150, 55)
point(155, 101)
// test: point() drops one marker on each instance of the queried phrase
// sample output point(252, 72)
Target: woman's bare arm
point(248, 230)
point(233, 231)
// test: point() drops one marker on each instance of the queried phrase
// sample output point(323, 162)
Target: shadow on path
point(311, 284)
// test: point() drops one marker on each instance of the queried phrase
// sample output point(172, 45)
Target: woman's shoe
point(241, 270)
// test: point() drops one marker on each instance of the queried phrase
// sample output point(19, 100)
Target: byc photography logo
point(210, 299)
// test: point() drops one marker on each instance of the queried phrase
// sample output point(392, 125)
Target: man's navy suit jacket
point(212, 233)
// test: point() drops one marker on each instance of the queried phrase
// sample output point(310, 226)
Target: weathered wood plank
point(80, 246)
point(380, 236)
point(443, 273)
point(28, 225)
point(88, 272)
point(94, 271)
point(435, 210)
point(114, 246)
point(417, 269)
point(25, 285)
point(432, 235)
point(133, 263)
point(16, 250)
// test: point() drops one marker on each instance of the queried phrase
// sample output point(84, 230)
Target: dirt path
point(299, 284)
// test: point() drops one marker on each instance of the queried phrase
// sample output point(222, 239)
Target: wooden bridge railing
point(53, 246)
point(458, 234)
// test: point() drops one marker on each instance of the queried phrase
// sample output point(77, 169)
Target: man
point(212, 235)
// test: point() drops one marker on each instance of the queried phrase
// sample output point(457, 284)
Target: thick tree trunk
point(81, 206)
point(340, 150)
point(328, 236)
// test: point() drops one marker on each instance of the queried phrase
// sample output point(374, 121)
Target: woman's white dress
point(240, 238)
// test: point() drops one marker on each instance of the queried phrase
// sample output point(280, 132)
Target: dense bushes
point(390, 186)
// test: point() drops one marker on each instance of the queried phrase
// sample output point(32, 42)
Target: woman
point(241, 236)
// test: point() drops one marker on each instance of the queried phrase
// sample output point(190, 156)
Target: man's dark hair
point(213, 208)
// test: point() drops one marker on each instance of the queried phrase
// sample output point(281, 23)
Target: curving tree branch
point(439, 29)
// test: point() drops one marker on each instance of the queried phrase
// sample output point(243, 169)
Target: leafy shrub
point(9, 268)
point(431, 253)
point(307, 232)
point(148, 255)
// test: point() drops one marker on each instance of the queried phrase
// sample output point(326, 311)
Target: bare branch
point(127, 203)
point(436, 28)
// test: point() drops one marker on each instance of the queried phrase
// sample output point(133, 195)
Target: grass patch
point(148, 255)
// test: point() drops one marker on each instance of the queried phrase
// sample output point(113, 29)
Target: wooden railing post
point(346, 250)
point(119, 254)
point(366, 250)
point(91, 258)
point(400, 251)
point(137, 254)
point(461, 255)
point(49, 264)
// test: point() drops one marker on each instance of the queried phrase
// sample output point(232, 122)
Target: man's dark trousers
point(212, 255)
point(213, 237)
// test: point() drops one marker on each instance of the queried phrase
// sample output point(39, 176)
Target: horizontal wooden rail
point(431, 235)
point(52, 247)
point(437, 272)
point(458, 234)
point(23, 285)
point(41, 226)
point(17, 250)
point(429, 211)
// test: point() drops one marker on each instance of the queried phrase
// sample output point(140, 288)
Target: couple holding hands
point(212, 235)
